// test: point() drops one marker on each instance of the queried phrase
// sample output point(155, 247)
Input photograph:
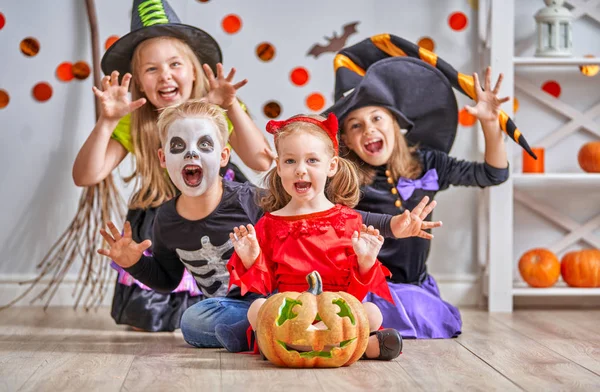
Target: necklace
point(390, 180)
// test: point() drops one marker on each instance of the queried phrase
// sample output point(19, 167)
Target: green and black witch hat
point(156, 18)
point(413, 83)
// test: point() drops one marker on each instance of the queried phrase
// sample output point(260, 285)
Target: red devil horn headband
point(330, 126)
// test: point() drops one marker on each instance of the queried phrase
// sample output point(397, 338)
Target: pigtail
point(365, 172)
point(277, 197)
point(343, 188)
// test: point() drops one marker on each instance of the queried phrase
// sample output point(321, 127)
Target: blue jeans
point(199, 320)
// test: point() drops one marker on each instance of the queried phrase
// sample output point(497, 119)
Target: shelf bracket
point(576, 231)
point(578, 120)
point(582, 8)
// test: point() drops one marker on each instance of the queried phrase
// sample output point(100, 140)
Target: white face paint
point(193, 155)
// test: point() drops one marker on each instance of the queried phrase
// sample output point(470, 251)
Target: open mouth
point(374, 146)
point(192, 175)
point(302, 186)
point(327, 352)
point(286, 312)
point(168, 93)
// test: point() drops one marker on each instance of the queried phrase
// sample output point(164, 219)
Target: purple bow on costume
point(428, 182)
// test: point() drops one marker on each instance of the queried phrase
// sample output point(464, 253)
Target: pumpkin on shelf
point(290, 332)
point(539, 267)
point(581, 268)
point(589, 157)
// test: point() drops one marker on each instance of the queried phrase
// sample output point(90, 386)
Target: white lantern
point(554, 30)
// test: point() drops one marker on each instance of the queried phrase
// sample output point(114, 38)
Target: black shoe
point(390, 344)
point(262, 356)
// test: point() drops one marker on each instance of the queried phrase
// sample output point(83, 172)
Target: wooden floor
point(64, 350)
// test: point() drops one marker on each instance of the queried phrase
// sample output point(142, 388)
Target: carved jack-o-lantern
point(312, 329)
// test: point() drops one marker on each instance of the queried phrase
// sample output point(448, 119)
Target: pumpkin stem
point(315, 284)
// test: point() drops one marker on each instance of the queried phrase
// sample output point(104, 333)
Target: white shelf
point(531, 180)
point(560, 289)
point(556, 61)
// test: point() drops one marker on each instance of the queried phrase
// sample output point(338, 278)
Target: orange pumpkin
point(539, 267)
point(589, 157)
point(287, 334)
point(582, 268)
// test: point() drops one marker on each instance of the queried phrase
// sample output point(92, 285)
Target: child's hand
point(123, 250)
point(114, 99)
point(366, 245)
point(245, 244)
point(222, 92)
point(412, 223)
point(488, 104)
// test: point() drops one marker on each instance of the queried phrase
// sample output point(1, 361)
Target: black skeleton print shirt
point(203, 246)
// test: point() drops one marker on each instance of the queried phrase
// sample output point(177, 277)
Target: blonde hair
point(403, 161)
point(342, 188)
point(193, 108)
point(155, 187)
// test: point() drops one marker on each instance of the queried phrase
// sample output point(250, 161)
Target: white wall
point(41, 140)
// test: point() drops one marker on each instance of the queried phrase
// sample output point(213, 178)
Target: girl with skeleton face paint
point(192, 154)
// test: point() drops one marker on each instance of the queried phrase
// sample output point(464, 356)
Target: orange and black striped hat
point(413, 83)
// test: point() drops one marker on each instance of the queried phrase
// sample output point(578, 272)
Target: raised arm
point(487, 110)
point(100, 154)
point(246, 139)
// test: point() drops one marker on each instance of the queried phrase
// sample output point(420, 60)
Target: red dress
point(294, 246)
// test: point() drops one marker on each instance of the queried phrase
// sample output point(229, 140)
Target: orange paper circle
point(465, 118)
point(515, 104)
point(231, 24)
point(42, 91)
point(457, 21)
point(64, 71)
point(589, 70)
point(299, 76)
point(30, 46)
point(315, 101)
point(427, 43)
point(2, 20)
point(272, 109)
point(109, 41)
point(4, 99)
point(81, 70)
point(552, 87)
point(265, 51)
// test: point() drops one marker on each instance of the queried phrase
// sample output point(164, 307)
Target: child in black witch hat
point(166, 59)
point(377, 98)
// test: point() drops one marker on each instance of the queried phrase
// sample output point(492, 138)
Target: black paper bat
point(335, 43)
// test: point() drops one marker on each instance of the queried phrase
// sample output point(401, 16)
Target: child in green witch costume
point(166, 63)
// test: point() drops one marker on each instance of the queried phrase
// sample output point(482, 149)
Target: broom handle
point(91, 11)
